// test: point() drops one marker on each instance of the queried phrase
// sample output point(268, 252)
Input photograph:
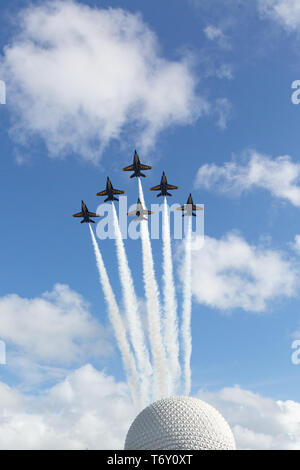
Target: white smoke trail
point(131, 306)
point(117, 323)
point(161, 376)
point(170, 304)
point(187, 308)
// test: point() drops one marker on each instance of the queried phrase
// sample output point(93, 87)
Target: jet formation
point(164, 188)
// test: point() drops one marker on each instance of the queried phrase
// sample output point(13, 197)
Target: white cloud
point(285, 12)
point(278, 175)
point(216, 34)
point(54, 329)
point(295, 245)
point(223, 110)
point(87, 410)
point(211, 32)
point(80, 77)
point(225, 71)
point(258, 422)
point(229, 273)
point(90, 410)
point(212, 66)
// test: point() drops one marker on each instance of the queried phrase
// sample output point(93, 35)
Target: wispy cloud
point(280, 176)
point(295, 245)
point(225, 71)
point(78, 77)
point(223, 110)
point(285, 12)
point(216, 34)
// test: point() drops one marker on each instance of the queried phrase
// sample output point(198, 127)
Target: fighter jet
point(109, 192)
point(140, 211)
point(85, 214)
point(189, 207)
point(136, 167)
point(163, 187)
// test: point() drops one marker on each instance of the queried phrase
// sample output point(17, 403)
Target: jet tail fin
point(133, 175)
point(169, 194)
point(158, 195)
point(142, 174)
point(193, 213)
point(116, 199)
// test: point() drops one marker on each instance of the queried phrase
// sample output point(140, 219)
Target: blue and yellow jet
point(136, 167)
point(85, 214)
point(163, 187)
point(110, 192)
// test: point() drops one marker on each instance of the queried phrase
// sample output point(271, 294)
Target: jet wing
point(118, 191)
point(131, 213)
point(92, 214)
point(102, 193)
point(128, 168)
point(79, 214)
point(182, 208)
point(145, 167)
point(156, 188)
point(170, 186)
point(197, 208)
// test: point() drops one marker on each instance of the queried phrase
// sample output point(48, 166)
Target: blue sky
point(203, 92)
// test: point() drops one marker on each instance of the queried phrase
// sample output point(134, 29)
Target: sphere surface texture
point(177, 423)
